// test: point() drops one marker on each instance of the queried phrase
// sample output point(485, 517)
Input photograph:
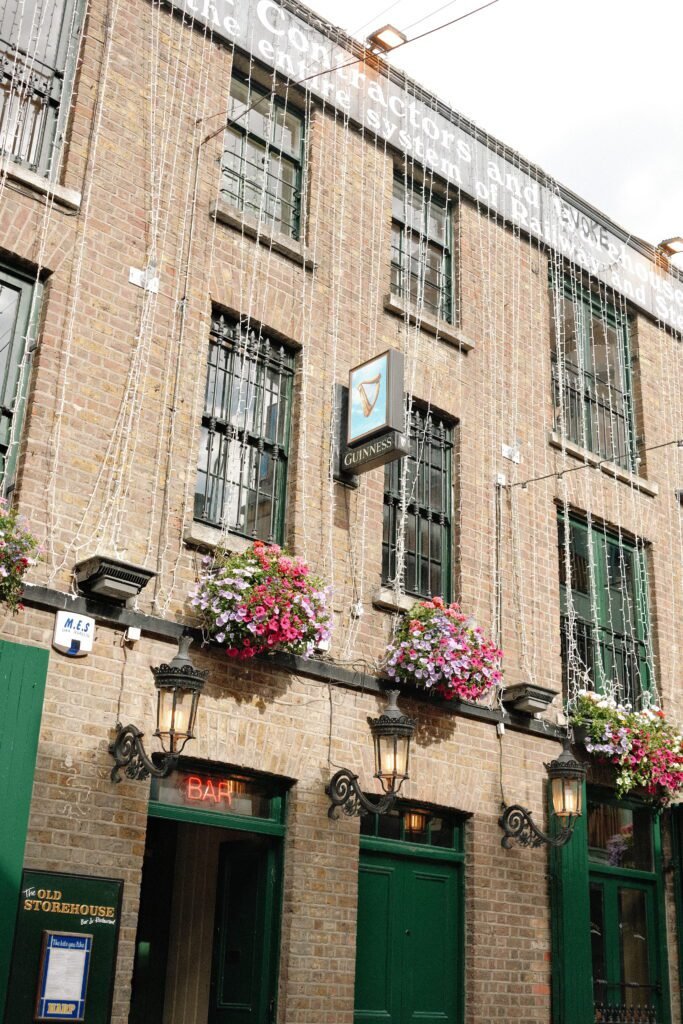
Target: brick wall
point(108, 461)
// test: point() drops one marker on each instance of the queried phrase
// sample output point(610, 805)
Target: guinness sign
point(383, 449)
point(374, 415)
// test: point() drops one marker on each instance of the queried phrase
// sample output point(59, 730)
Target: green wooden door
point(246, 933)
point(407, 947)
point(624, 944)
point(22, 685)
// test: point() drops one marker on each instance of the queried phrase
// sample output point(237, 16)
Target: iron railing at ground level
point(608, 1014)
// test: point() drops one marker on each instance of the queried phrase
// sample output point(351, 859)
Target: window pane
point(256, 177)
point(620, 836)
point(579, 563)
point(597, 912)
point(287, 131)
point(634, 947)
point(606, 644)
point(243, 450)
point(239, 100)
point(9, 311)
point(422, 482)
point(419, 251)
point(398, 201)
point(437, 222)
point(34, 27)
point(592, 407)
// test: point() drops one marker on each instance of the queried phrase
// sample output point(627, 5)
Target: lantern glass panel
point(391, 753)
point(566, 797)
point(176, 714)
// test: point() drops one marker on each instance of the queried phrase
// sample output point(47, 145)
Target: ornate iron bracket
point(518, 826)
point(128, 752)
point(344, 791)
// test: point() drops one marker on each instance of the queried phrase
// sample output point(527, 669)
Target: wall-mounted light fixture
point(671, 246)
point(566, 776)
point(527, 698)
point(179, 686)
point(415, 822)
point(385, 39)
point(103, 577)
point(391, 733)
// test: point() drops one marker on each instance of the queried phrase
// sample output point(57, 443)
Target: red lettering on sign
point(208, 790)
point(194, 788)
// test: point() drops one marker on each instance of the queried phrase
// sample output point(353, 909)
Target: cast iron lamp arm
point(518, 826)
point(128, 752)
point(344, 791)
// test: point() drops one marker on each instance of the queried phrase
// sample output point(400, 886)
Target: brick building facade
point(119, 161)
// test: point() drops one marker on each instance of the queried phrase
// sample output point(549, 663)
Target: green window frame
point(263, 157)
point(605, 628)
point(242, 471)
point(19, 305)
point(597, 972)
point(422, 248)
point(38, 59)
point(591, 373)
point(422, 484)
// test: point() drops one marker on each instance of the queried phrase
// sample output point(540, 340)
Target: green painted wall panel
point(572, 969)
point(23, 671)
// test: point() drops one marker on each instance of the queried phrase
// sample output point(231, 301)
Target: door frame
point(274, 826)
point(404, 849)
point(570, 874)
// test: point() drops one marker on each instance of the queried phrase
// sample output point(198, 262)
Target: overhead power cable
point(589, 465)
point(341, 67)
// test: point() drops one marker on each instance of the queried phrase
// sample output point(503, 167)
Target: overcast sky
point(589, 89)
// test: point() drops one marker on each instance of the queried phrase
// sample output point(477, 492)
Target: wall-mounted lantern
point(415, 822)
point(391, 734)
point(179, 686)
point(385, 39)
point(566, 776)
point(671, 246)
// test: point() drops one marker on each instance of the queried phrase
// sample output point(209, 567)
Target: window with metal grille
point(242, 472)
point(421, 266)
point(604, 612)
point(417, 503)
point(16, 293)
point(592, 374)
point(37, 57)
point(263, 157)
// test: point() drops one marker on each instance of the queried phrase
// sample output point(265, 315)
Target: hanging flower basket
point(645, 749)
point(437, 648)
point(261, 601)
point(18, 552)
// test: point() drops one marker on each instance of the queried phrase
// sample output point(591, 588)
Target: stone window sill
point(388, 600)
point(201, 535)
point(65, 198)
point(611, 469)
point(247, 225)
point(439, 328)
